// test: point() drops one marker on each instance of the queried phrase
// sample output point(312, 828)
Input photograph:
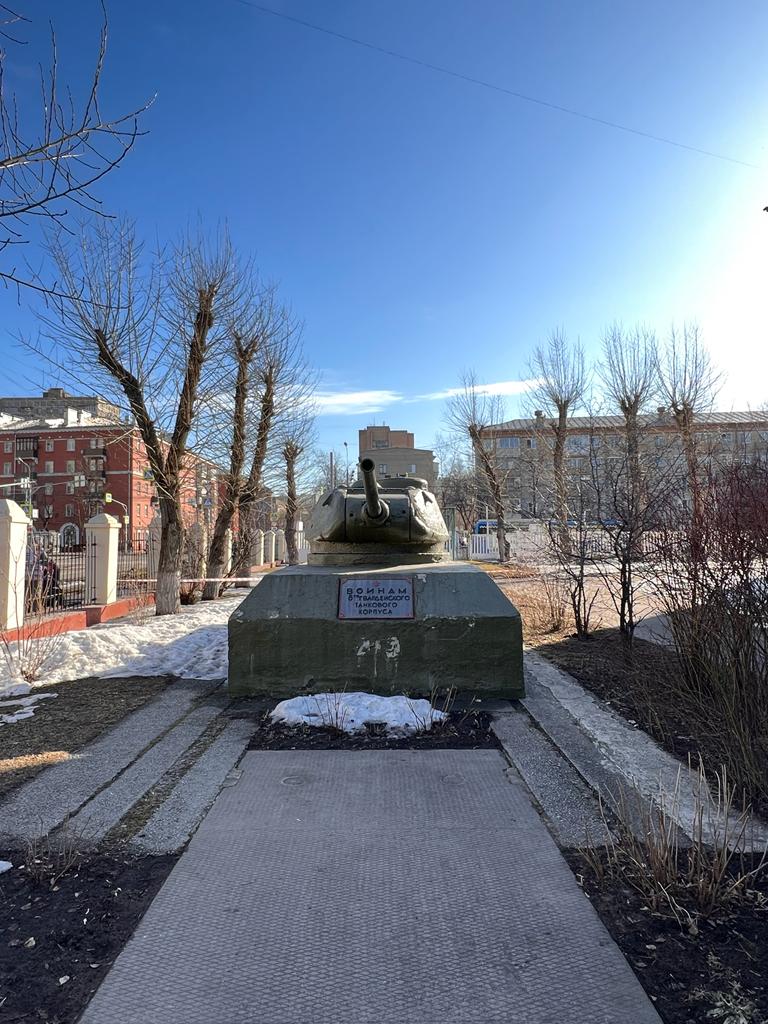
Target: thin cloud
point(501, 387)
point(348, 403)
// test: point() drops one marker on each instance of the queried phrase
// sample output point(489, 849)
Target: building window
point(49, 467)
point(7, 469)
point(530, 442)
point(509, 442)
point(577, 442)
point(726, 438)
point(93, 464)
point(488, 444)
point(69, 488)
point(70, 466)
point(68, 510)
point(70, 444)
point(8, 447)
point(380, 444)
point(383, 468)
point(49, 444)
point(745, 437)
point(49, 488)
point(412, 468)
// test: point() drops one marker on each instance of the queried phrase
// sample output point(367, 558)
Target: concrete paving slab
point(97, 817)
point(175, 820)
point(43, 803)
point(380, 887)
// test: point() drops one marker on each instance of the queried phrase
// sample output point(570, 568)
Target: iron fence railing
point(135, 566)
point(55, 579)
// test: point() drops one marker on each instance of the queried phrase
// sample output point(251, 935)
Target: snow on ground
point(26, 707)
point(192, 645)
point(350, 711)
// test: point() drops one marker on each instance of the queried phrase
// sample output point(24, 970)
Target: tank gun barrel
point(375, 508)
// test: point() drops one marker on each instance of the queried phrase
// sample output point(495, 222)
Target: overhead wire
point(524, 97)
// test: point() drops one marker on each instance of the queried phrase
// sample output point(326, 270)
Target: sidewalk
point(385, 887)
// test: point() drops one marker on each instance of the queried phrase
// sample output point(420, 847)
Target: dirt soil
point(81, 711)
point(463, 729)
point(719, 974)
point(58, 941)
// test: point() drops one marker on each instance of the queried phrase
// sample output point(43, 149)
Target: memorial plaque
point(386, 597)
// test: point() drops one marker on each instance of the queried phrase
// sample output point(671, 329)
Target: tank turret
point(393, 522)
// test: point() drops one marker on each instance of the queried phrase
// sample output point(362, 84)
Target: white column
point(153, 547)
point(13, 560)
point(269, 546)
point(279, 546)
point(227, 552)
point(258, 548)
point(101, 534)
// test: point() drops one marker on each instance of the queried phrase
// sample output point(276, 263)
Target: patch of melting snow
point(192, 644)
point(25, 704)
point(351, 711)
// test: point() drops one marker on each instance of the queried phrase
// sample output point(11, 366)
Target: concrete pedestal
point(287, 637)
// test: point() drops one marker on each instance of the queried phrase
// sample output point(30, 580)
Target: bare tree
point(48, 167)
point(298, 437)
point(689, 384)
point(149, 338)
point(250, 330)
point(629, 375)
point(560, 382)
point(282, 383)
point(470, 414)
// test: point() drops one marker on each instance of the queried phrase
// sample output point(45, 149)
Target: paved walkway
point(386, 887)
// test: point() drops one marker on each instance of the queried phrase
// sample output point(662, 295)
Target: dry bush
point(714, 590)
point(48, 858)
point(544, 606)
point(681, 879)
point(29, 650)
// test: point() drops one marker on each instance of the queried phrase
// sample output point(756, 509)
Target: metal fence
point(56, 579)
point(135, 566)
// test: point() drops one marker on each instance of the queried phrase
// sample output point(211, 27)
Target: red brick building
point(61, 467)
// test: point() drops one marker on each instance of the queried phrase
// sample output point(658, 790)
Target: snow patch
point(26, 705)
point(350, 712)
point(5, 865)
point(191, 645)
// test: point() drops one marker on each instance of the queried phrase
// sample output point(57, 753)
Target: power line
point(495, 88)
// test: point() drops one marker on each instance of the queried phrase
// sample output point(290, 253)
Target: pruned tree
point(458, 485)
point(470, 414)
point(629, 376)
point(147, 334)
point(249, 332)
point(282, 384)
point(559, 384)
point(297, 441)
point(689, 384)
point(51, 164)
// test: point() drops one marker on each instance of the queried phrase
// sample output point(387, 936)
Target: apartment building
point(59, 468)
point(595, 446)
point(395, 454)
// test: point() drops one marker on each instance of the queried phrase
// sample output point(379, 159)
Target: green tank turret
point(393, 522)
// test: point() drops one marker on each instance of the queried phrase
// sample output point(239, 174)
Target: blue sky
point(420, 224)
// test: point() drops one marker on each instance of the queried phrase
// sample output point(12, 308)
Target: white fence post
point(279, 546)
point(153, 547)
point(227, 552)
point(13, 560)
point(101, 535)
point(269, 547)
point(258, 548)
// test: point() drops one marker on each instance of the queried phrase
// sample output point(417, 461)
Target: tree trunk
point(167, 601)
point(217, 553)
point(291, 508)
point(561, 489)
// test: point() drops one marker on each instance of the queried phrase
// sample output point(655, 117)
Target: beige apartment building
point(395, 454)
point(595, 446)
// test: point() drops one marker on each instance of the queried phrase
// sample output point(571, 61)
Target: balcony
point(94, 453)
